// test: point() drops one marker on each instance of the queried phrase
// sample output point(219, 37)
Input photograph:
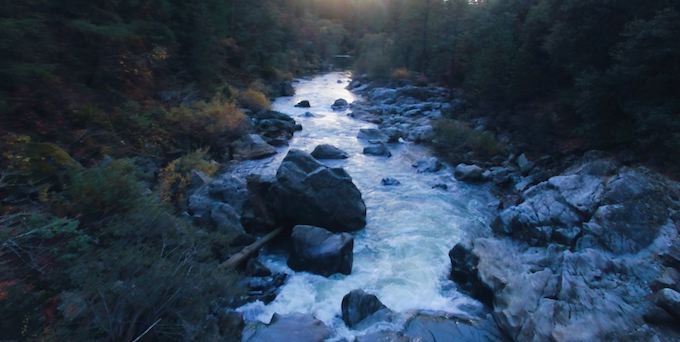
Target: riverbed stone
point(340, 105)
point(251, 146)
point(428, 165)
point(389, 181)
point(358, 306)
point(326, 151)
point(308, 192)
point(319, 251)
point(372, 135)
point(291, 327)
point(469, 173)
point(303, 104)
point(379, 150)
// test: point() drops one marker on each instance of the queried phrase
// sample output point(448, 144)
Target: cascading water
point(402, 254)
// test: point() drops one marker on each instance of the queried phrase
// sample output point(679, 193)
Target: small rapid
point(402, 254)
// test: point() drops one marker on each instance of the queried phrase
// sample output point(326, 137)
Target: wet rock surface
point(319, 251)
point(574, 259)
point(292, 327)
point(326, 151)
point(358, 306)
point(308, 192)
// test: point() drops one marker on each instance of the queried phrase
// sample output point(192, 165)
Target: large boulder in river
point(295, 327)
point(326, 151)
point(251, 146)
point(319, 251)
point(308, 192)
point(340, 105)
point(359, 305)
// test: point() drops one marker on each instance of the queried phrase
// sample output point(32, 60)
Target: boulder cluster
point(589, 254)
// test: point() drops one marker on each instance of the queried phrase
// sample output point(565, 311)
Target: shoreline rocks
point(580, 247)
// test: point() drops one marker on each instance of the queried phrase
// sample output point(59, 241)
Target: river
point(402, 254)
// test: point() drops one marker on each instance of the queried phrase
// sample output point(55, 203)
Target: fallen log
point(238, 258)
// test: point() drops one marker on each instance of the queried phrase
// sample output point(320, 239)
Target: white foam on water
point(402, 254)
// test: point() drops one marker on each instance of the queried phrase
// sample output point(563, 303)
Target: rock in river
point(359, 305)
point(308, 192)
point(303, 104)
point(340, 105)
point(378, 150)
point(326, 151)
point(319, 251)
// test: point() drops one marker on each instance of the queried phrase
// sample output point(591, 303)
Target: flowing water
point(402, 254)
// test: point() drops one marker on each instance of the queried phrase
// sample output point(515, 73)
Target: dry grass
point(254, 100)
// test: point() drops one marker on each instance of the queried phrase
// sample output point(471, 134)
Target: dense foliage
point(571, 74)
point(105, 109)
point(107, 106)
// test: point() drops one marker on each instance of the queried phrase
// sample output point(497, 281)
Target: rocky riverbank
point(584, 247)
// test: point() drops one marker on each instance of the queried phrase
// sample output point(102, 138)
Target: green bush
point(454, 138)
point(174, 179)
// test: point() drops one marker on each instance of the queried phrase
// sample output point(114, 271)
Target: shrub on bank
point(125, 265)
point(208, 123)
point(175, 178)
point(454, 138)
point(254, 100)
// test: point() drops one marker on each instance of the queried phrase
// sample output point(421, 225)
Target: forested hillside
point(107, 107)
point(564, 75)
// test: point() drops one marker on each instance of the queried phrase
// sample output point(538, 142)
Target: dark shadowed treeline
point(571, 74)
point(106, 107)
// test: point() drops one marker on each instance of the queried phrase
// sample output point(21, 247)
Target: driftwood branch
point(238, 258)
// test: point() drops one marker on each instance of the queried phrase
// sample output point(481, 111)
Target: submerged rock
point(380, 150)
point(326, 151)
point(372, 135)
point(308, 192)
point(292, 327)
point(431, 164)
point(389, 181)
point(319, 251)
